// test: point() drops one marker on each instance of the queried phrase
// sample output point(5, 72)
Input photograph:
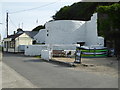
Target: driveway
point(51, 75)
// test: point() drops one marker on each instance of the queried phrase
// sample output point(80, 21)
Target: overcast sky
point(31, 18)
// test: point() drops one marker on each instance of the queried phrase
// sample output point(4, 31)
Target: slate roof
point(14, 36)
point(29, 33)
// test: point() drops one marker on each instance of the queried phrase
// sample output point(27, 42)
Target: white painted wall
point(40, 37)
point(71, 31)
point(91, 36)
point(23, 39)
point(46, 54)
point(101, 41)
point(34, 50)
point(62, 31)
point(64, 34)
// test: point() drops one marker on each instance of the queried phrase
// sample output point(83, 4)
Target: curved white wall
point(62, 31)
point(40, 37)
point(71, 31)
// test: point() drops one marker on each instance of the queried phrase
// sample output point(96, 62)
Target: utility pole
point(7, 30)
point(7, 23)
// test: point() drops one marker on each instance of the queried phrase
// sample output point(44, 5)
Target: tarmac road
point(50, 75)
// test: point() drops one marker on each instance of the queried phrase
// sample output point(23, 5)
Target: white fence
point(34, 50)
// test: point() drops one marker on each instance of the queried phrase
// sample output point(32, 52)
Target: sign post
point(78, 56)
point(78, 52)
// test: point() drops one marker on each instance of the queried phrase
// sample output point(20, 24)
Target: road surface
point(51, 75)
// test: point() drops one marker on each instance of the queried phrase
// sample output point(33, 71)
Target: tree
point(109, 26)
point(78, 11)
point(19, 30)
point(38, 28)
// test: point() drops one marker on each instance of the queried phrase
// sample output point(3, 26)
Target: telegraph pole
point(7, 23)
point(7, 30)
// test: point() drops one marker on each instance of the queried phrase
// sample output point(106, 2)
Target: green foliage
point(78, 11)
point(38, 28)
point(19, 29)
point(103, 27)
point(113, 12)
point(0, 48)
point(109, 26)
point(63, 12)
point(38, 56)
point(111, 23)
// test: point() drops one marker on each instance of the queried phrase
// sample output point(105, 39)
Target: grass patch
point(0, 48)
point(38, 56)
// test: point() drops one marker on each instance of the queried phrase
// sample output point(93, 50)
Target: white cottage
point(17, 41)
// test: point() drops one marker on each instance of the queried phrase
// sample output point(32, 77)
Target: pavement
point(45, 74)
point(104, 66)
point(11, 79)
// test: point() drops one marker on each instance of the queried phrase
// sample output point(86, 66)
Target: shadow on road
point(34, 59)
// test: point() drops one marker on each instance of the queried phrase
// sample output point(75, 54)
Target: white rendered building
point(40, 37)
point(72, 31)
point(64, 35)
point(17, 41)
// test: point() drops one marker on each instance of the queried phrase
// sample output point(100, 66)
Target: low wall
point(34, 50)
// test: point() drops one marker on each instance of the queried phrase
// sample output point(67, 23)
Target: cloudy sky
point(22, 14)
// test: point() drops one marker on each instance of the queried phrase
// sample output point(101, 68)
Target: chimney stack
point(14, 32)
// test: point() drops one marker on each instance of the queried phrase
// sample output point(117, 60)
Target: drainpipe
point(7, 46)
point(14, 43)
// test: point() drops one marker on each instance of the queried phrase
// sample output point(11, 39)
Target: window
point(11, 44)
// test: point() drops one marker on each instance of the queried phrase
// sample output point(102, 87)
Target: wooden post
point(7, 29)
point(7, 24)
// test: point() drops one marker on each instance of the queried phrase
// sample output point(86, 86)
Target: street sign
point(77, 56)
